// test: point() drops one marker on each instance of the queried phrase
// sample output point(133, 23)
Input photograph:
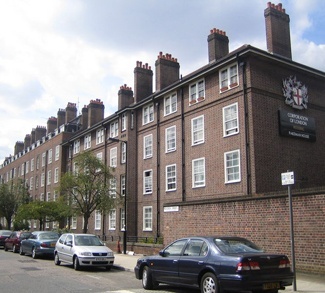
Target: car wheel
point(21, 251)
point(34, 253)
point(5, 248)
point(209, 283)
point(76, 264)
point(108, 268)
point(147, 280)
point(56, 259)
point(14, 248)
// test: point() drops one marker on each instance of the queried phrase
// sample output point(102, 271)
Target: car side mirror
point(163, 253)
point(69, 243)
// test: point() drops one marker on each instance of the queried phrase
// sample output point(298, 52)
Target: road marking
point(97, 278)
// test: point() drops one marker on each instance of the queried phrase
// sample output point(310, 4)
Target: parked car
point(215, 264)
point(4, 234)
point(13, 241)
point(39, 243)
point(83, 250)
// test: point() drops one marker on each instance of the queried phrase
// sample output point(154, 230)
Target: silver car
point(83, 250)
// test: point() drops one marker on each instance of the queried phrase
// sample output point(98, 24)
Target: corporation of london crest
point(295, 93)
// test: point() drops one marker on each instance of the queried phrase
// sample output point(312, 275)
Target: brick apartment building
point(204, 153)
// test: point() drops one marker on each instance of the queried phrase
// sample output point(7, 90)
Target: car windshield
point(236, 245)
point(48, 236)
point(87, 240)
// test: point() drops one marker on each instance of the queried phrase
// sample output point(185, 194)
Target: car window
point(48, 236)
point(175, 249)
point(62, 238)
point(87, 240)
point(196, 247)
point(68, 240)
point(236, 245)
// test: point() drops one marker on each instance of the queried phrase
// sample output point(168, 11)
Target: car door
point(10, 240)
point(66, 253)
point(165, 267)
point(192, 261)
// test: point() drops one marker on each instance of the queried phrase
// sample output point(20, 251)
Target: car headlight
point(110, 253)
point(86, 253)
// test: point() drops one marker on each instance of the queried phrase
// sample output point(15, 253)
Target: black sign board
point(296, 125)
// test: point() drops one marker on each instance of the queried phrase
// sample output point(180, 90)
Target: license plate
point(52, 244)
point(269, 286)
point(100, 259)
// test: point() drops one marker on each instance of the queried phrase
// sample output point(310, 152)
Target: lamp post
point(126, 172)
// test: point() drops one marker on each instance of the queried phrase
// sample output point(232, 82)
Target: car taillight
point(44, 244)
point(284, 263)
point(246, 266)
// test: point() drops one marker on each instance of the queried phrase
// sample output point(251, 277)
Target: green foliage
point(12, 196)
point(86, 189)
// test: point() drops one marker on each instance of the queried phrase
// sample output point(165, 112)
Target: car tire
point(209, 283)
point(76, 264)
point(34, 253)
point(21, 251)
point(147, 280)
point(57, 259)
point(108, 268)
point(14, 249)
point(5, 248)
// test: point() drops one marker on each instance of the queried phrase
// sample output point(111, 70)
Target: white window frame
point(48, 196)
point(42, 179)
point(147, 146)
point(147, 181)
point(171, 177)
point(123, 122)
point(98, 220)
point(56, 175)
point(100, 136)
point(198, 173)
point(112, 187)
point(57, 153)
point(50, 156)
point(148, 114)
point(43, 159)
point(122, 219)
point(112, 220)
point(49, 177)
point(87, 141)
point(147, 218)
point(228, 77)
point(197, 130)
point(114, 129)
point(31, 183)
point(32, 161)
point(232, 166)
point(76, 146)
point(123, 150)
point(73, 222)
point(113, 157)
point(197, 91)
point(170, 104)
point(123, 185)
point(170, 139)
point(230, 120)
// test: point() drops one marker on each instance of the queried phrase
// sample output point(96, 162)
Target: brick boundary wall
point(264, 220)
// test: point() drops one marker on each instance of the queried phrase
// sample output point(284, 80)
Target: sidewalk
point(306, 283)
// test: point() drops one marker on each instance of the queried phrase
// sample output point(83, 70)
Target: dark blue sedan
point(39, 243)
point(216, 264)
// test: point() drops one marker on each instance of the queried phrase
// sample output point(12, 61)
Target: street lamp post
point(126, 172)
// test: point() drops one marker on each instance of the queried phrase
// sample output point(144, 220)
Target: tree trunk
point(8, 223)
point(85, 228)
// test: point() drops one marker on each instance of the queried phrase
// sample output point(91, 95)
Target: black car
point(214, 264)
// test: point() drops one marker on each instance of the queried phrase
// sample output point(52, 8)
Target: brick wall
point(264, 220)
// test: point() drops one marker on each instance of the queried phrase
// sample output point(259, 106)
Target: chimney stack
point(218, 44)
point(95, 112)
point(167, 71)
point(51, 124)
point(70, 112)
point(39, 132)
point(142, 81)
point(84, 115)
point(277, 30)
point(19, 147)
point(125, 97)
point(27, 141)
point(61, 118)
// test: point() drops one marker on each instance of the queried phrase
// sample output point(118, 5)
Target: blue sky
point(56, 51)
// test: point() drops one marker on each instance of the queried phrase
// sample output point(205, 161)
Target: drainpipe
point(242, 64)
point(183, 146)
point(158, 171)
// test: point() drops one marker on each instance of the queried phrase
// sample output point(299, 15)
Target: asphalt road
point(24, 274)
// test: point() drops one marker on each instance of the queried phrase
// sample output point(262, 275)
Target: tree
point(44, 211)
point(86, 189)
point(12, 195)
